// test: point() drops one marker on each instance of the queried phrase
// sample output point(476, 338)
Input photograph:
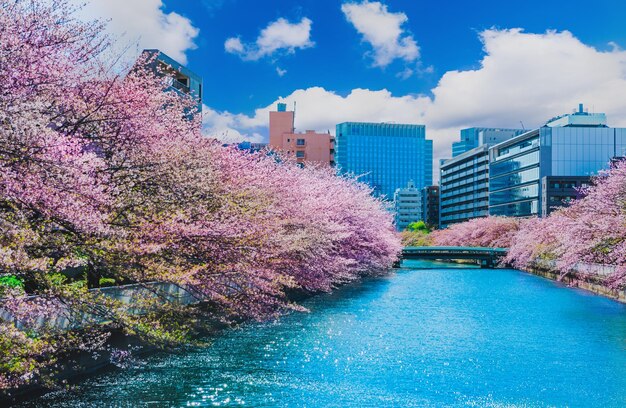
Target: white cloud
point(278, 36)
point(280, 71)
point(234, 45)
point(383, 31)
point(406, 74)
point(320, 110)
point(230, 128)
point(145, 23)
point(531, 77)
point(522, 77)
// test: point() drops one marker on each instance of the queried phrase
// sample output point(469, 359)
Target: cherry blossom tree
point(481, 232)
point(107, 175)
point(591, 230)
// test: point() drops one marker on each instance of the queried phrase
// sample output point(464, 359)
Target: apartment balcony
point(179, 86)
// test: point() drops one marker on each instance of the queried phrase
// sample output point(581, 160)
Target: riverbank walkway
point(485, 257)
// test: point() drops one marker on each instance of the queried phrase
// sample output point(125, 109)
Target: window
point(300, 154)
point(300, 142)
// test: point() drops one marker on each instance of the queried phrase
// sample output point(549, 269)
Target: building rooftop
point(464, 155)
point(581, 117)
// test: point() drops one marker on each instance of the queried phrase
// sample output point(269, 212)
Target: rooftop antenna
point(522, 123)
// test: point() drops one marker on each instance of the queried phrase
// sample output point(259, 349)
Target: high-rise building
point(574, 145)
point(407, 205)
point(430, 206)
point(478, 136)
point(306, 147)
point(385, 155)
point(464, 179)
point(183, 80)
point(464, 182)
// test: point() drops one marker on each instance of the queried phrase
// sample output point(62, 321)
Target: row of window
point(514, 194)
point(514, 164)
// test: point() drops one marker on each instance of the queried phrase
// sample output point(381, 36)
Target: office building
point(306, 147)
point(573, 146)
point(464, 182)
point(430, 206)
point(559, 191)
point(478, 136)
point(252, 147)
point(464, 179)
point(407, 205)
point(385, 155)
point(181, 79)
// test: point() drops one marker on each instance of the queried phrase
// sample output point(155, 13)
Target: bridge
point(485, 257)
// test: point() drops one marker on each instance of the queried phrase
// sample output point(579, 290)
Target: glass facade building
point(478, 136)
point(464, 179)
point(385, 155)
point(182, 79)
point(575, 145)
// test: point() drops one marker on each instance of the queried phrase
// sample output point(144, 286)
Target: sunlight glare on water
point(424, 336)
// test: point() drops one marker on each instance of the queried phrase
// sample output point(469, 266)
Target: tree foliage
point(480, 232)
point(590, 230)
point(106, 178)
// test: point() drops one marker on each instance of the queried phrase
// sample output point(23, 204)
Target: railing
point(179, 86)
point(454, 250)
point(486, 257)
point(580, 267)
point(64, 317)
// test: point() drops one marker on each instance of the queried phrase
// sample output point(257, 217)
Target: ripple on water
point(420, 337)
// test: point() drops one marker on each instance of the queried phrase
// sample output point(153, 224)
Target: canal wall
point(119, 350)
point(590, 277)
point(63, 317)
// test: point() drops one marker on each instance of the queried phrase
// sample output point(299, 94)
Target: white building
point(408, 206)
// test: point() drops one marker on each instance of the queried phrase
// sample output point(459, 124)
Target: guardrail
point(64, 317)
point(486, 257)
point(580, 267)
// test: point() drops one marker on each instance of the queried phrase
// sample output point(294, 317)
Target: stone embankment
point(591, 277)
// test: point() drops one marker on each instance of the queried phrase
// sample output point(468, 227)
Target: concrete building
point(430, 206)
point(559, 191)
point(568, 148)
point(385, 155)
point(464, 179)
point(306, 147)
point(182, 79)
point(407, 205)
point(464, 182)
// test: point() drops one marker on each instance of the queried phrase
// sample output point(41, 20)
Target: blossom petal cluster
point(106, 178)
point(591, 230)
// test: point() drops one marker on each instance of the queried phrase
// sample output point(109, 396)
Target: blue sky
point(445, 64)
point(445, 31)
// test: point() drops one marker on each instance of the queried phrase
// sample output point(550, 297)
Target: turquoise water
point(419, 337)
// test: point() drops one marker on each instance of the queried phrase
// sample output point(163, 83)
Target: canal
point(426, 335)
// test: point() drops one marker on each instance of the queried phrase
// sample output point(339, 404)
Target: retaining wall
point(591, 277)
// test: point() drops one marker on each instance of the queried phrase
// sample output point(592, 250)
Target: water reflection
point(423, 336)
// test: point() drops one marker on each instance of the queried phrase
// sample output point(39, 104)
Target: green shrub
point(11, 281)
point(107, 282)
